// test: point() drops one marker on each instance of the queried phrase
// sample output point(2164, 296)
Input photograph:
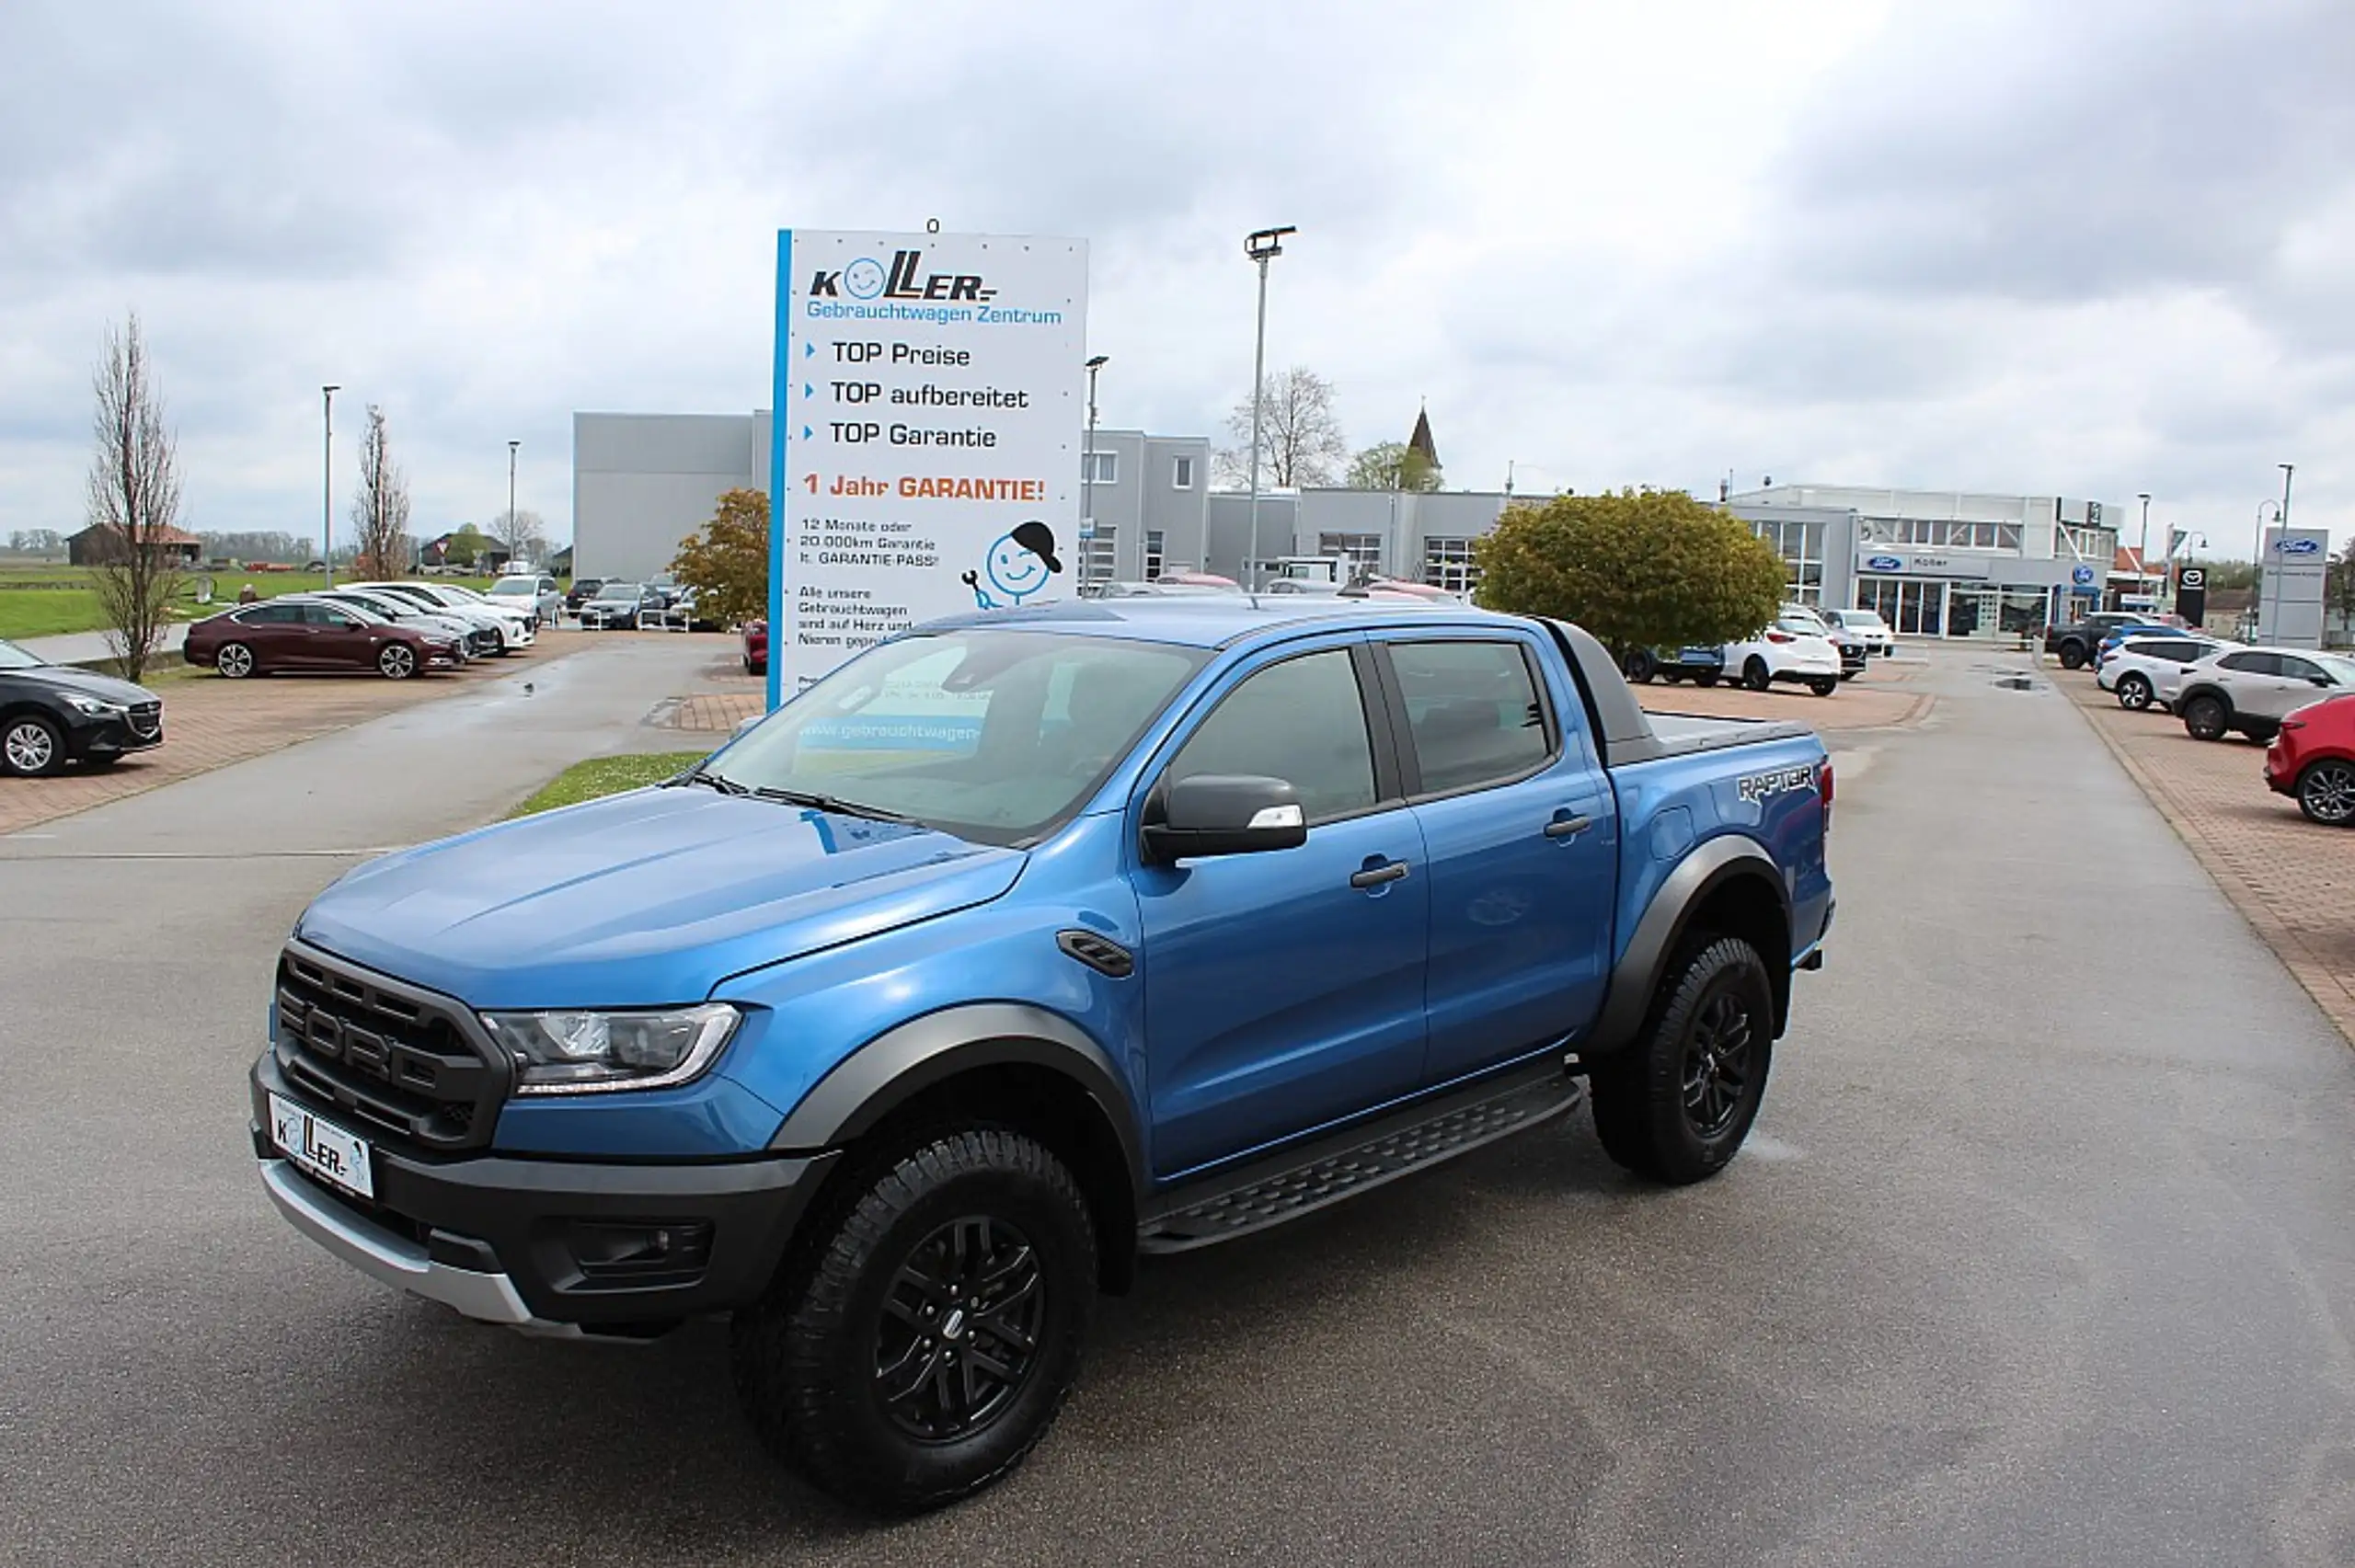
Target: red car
point(2312, 759)
point(756, 647)
point(262, 639)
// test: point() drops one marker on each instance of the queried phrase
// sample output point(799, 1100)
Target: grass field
point(42, 601)
point(607, 776)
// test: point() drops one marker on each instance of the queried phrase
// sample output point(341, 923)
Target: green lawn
point(42, 601)
point(607, 776)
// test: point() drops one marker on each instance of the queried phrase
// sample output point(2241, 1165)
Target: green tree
point(1649, 568)
point(2339, 583)
point(728, 563)
point(466, 546)
point(1391, 466)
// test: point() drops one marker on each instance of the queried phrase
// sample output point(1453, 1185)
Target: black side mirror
point(2320, 680)
point(1213, 814)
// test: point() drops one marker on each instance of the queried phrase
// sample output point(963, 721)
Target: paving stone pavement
point(2292, 879)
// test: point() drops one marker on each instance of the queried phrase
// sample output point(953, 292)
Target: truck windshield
point(995, 736)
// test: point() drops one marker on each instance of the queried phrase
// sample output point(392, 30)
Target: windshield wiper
point(702, 776)
point(834, 804)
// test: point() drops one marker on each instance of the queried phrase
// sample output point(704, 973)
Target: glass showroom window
point(1447, 563)
point(1801, 546)
point(1153, 553)
point(1364, 550)
point(1096, 555)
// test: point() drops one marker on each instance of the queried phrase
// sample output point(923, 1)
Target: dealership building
point(1934, 563)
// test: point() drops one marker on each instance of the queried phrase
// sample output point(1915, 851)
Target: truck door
point(1520, 833)
point(1284, 990)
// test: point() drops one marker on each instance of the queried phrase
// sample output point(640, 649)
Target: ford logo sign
point(1885, 564)
point(2082, 577)
point(2298, 546)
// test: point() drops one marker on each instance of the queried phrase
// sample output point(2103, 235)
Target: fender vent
point(1101, 954)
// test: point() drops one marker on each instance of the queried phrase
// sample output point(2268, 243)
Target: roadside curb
point(2337, 1002)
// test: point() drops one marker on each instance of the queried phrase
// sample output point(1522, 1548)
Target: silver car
point(2250, 691)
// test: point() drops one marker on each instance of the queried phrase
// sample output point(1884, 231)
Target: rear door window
point(2248, 663)
point(1475, 713)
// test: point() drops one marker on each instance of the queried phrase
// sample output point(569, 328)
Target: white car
point(514, 624)
point(1866, 627)
point(532, 591)
point(2148, 670)
point(1790, 649)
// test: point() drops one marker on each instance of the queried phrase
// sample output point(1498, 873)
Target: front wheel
point(1824, 685)
point(31, 745)
point(1755, 676)
point(2133, 691)
point(2327, 792)
point(2203, 719)
point(234, 660)
point(397, 662)
point(924, 1341)
point(1640, 667)
point(1675, 1105)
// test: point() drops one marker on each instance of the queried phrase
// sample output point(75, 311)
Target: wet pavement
point(2041, 1255)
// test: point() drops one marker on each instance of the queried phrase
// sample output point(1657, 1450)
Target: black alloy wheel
point(30, 746)
point(1755, 676)
point(958, 1334)
point(2204, 716)
point(2134, 690)
point(1675, 1105)
point(2073, 656)
point(2327, 792)
point(1717, 1065)
point(1640, 667)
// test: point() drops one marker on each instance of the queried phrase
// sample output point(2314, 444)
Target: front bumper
point(532, 1243)
point(112, 735)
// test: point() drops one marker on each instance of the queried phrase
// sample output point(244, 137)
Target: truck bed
point(1685, 734)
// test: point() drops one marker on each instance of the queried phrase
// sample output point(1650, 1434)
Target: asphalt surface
point(2042, 1254)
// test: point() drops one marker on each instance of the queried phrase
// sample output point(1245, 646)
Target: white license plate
point(321, 1147)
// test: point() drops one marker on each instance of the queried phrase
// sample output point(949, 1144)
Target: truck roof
point(1219, 620)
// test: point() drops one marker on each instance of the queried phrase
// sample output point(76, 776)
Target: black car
point(2076, 645)
point(50, 714)
point(582, 590)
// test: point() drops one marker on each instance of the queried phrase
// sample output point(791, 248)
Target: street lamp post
point(1088, 472)
point(2151, 600)
point(2287, 469)
point(326, 480)
point(510, 498)
point(1261, 246)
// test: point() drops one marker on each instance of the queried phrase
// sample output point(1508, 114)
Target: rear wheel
point(234, 660)
point(2204, 718)
point(1676, 1106)
point(2134, 690)
point(1824, 685)
point(397, 662)
point(2327, 792)
point(31, 745)
point(1756, 675)
point(926, 1338)
point(1706, 678)
point(1640, 666)
point(2073, 656)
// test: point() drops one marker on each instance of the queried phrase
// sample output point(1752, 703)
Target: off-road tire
point(1642, 1106)
point(805, 1355)
point(2206, 717)
point(1640, 667)
point(2073, 656)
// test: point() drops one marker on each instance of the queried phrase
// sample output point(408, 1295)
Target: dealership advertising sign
point(928, 398)
point(2289, 593)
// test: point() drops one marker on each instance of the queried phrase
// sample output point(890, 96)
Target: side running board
point(1358, 1160)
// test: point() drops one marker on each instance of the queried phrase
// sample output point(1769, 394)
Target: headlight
point(97, 707)
point(588, 1053)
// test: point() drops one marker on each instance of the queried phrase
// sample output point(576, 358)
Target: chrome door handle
point(1376, 875)
point(1568, 827)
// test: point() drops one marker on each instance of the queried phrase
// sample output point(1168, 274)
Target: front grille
point(146, 719)
point(412, 1064)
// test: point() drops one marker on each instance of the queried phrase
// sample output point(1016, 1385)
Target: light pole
point(1088, 472)
point(1261, 246)
point(326, 480)
point(2287, 468)
point(2142, 556)
point(510, 498)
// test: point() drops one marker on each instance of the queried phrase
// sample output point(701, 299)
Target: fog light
point(639, 1251)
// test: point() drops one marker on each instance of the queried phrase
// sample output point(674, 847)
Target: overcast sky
point(2074, 247)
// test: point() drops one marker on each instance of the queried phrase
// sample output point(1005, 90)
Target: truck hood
point(642, 899)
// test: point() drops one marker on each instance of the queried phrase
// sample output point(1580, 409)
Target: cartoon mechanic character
point(1018, 566)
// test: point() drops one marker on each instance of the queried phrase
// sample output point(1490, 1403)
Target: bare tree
point(523, 533)
point(134, 497)
point(1300, 436)
point(380, 507)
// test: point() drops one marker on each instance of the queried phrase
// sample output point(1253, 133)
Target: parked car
point(282, 635)
point(619, 606)
point(1851, 647)
point(843, 1031)
point(476, 638)
point(2312, 761)
point(538, 593)
point(2147, 669)
point(756, 647)
point(1866, 627)
point(1788, 650)
point(51, 714)
point(582, 590)
point(2076, 644)
point(2250, 691)
point(512, 624)
point(1701, 666)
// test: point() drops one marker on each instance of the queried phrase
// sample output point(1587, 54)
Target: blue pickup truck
point(1022, 945)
